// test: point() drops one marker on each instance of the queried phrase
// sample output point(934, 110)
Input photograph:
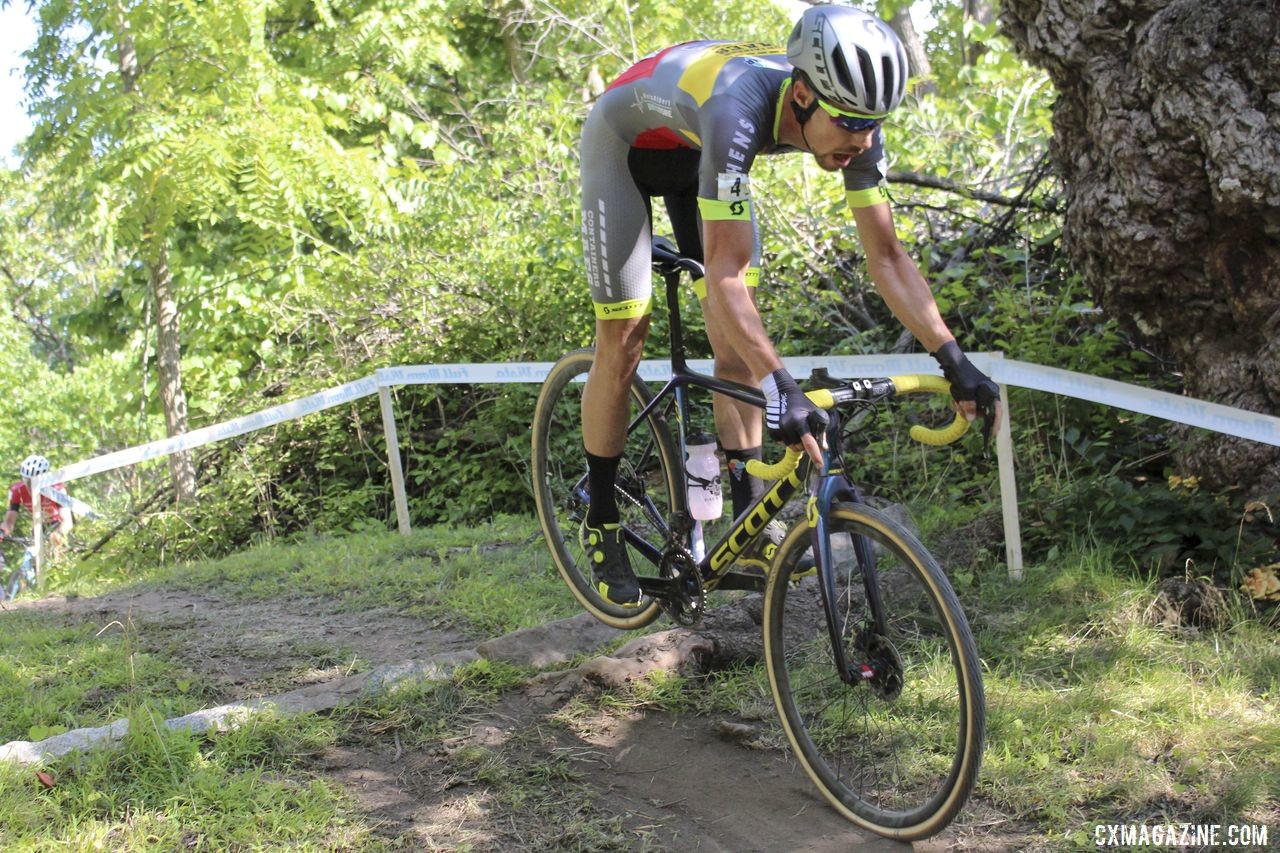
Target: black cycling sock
point(742, 486)
point(602, 471)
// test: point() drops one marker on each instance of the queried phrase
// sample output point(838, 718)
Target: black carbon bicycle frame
point(832, 487)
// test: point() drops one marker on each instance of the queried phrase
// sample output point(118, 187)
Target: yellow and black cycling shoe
point(607, 551)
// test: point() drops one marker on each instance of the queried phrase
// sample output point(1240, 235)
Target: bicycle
point(873, 670)
point(22, 574)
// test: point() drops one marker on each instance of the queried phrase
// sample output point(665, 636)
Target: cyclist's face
point(834, 147)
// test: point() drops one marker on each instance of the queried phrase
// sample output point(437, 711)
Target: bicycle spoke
point(559, 464)
point(896, 752)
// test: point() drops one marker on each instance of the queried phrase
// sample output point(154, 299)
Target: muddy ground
point(675, 782)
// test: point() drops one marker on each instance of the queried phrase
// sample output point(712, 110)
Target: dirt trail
point(675, 782)
point(251, 649)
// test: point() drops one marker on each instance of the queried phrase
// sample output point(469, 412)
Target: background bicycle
point(18, 572)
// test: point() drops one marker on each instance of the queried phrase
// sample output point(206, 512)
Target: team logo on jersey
point(652, 103)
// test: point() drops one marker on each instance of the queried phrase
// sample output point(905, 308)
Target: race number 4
point(733, 186)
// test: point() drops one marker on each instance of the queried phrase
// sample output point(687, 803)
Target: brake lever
point(988, 411)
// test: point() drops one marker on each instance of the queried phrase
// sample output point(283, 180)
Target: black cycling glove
point(788, 413)
point(967, 381)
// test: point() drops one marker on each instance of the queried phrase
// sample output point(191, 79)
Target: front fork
point(831, 488)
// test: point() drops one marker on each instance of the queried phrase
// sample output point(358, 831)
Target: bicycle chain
point(684, 608)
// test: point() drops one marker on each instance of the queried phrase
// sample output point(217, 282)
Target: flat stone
point(550, 644)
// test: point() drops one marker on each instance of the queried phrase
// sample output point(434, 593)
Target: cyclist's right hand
point(790, 416)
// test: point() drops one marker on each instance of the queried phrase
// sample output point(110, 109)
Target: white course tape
point(1161, 404)
point(80, 508)
point(229, 429)
point(1211, 416)
point(452, 374)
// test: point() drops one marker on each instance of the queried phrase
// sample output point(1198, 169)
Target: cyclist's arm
point(898, 279)
point(899, 282)
point(727, 246)
point(10, 519)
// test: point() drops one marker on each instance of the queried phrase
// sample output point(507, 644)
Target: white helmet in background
point(33, 466)
point(850, 58)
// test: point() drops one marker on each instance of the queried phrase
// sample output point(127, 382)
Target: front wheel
point(645, 485)
point(896, 753)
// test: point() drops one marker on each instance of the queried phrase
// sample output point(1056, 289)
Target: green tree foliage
point(356, 185)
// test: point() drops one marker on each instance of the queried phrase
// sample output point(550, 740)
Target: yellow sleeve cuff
point(869, 197)
point(712, 209)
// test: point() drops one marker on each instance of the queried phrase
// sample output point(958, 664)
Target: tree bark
point(984, 12)
point(169, 369)
point(917, 57)
point(1167, 135)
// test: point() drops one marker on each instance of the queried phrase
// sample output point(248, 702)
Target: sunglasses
point(852, 122)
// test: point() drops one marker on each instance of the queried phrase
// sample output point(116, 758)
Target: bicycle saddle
point(667, 259)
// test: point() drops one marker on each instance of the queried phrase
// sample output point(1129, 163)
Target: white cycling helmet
point(850, 58)
point(33, 466)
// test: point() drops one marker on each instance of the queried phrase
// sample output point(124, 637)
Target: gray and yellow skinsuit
point(686, 125)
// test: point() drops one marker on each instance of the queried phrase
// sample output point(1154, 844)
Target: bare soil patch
point(660, 781)
point(257, 648)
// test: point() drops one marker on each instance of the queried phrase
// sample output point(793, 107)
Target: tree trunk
point(917, 58)
point(984, 12)
point(1167, 134)
point(169, 369)
point(168, 348)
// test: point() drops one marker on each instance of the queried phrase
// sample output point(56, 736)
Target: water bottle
point(703, 469)
point(697, 545)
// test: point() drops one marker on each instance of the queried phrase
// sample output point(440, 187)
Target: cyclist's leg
point(738, 423)
point(616, 238)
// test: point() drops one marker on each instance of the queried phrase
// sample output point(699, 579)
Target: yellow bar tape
point(925, 383)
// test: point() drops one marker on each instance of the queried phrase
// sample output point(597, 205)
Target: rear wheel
point(896, 753)
point(645, 486)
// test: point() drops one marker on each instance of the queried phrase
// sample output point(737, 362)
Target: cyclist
point(686, 124)
point(58, 520)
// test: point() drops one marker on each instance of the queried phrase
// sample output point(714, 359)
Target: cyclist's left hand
point(973, 391)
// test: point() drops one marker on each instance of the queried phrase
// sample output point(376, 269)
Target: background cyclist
point(57, 520)
point(686, 124)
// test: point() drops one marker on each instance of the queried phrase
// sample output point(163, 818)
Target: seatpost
point(678, 363)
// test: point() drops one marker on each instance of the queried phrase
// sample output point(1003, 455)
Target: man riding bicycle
point(57, 520)
point(686, 124)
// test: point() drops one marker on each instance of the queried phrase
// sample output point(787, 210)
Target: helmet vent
point(887, 80)
point(841, 68)
point(868, 79)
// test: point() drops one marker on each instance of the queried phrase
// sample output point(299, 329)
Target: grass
point(1096, 715)
point(455, 573)
point(164, 790)
point(55, 677)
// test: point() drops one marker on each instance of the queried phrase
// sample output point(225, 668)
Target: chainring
point(688, 599)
